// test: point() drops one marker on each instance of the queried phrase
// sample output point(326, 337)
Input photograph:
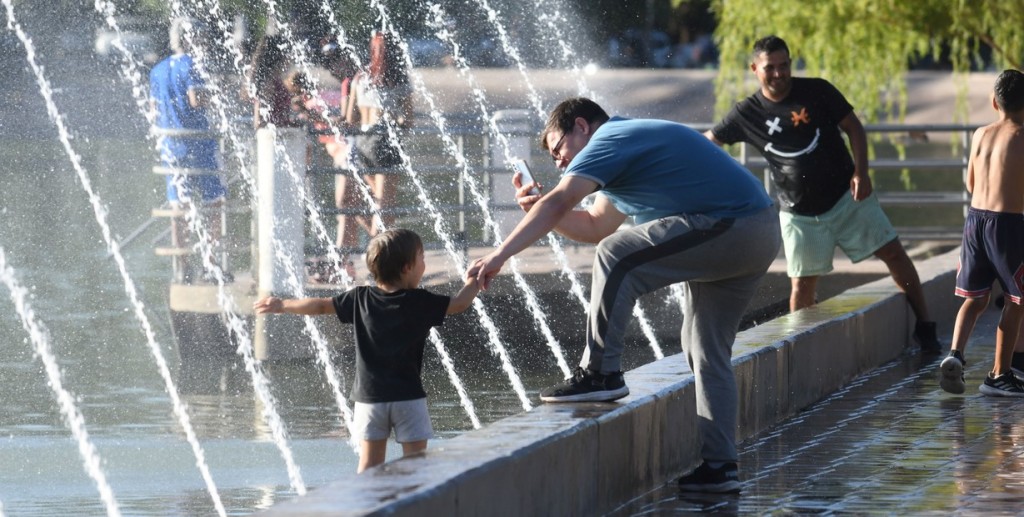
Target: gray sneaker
point(1005, 385)
point(952, 373)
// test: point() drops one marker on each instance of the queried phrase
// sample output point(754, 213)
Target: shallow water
point(891, 443)
point(51, 238)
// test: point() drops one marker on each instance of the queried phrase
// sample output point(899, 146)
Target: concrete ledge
point(573, 459)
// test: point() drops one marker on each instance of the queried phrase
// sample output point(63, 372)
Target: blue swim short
point(993, 249)
point(187, 154)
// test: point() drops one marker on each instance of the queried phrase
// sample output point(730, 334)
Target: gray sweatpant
point(720, 262)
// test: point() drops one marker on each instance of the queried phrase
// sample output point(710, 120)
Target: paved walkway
point(892, 442)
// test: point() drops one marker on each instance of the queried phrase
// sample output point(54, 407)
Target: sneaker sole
point(728, 487)
point(952, 380)
point(593, 396)
point(996, 392)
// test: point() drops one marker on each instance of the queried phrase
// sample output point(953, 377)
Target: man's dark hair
point(769, 44)
point(565, 114)
point(1010, 91)
point(390, 252)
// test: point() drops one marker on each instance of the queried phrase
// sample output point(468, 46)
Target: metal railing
point(472, 139)
point(962, 133)
point(750, 159)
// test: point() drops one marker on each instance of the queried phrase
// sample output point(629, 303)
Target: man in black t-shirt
point(796, 123)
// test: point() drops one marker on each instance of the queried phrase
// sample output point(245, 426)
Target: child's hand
point(470, 279)
point(268, 305)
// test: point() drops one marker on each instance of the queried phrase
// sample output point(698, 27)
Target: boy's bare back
point(995, 174)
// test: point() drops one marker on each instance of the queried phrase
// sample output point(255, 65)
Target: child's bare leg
point(966, 318)
point(1007, 333)
point(372, 453)
point(410, 448)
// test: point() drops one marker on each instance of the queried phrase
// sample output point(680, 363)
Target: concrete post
point(281, 220)
point(515, 125)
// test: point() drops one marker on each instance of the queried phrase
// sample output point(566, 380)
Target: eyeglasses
point(557, 146)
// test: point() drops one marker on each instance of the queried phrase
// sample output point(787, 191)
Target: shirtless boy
point(993, 244)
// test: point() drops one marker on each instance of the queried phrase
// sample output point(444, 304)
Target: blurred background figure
point(272, 104)
point(178, 99)
point(382, 93)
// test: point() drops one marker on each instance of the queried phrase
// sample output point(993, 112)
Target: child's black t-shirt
point(390, 332)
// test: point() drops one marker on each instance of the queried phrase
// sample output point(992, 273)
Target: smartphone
point(527, 178)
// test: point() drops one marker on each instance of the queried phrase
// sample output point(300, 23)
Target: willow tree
point(865, 46)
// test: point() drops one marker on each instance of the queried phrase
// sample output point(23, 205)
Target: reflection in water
point(891, 442)
point(720, 504)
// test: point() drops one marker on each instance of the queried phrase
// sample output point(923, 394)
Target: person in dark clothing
point(391, 321)
point(825, 196)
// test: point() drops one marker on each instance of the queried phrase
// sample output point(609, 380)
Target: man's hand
point(525, 199)
point(860, 187)
point(485, 269)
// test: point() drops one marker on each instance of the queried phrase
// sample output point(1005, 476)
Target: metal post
point(281, 226)
point(463, 238)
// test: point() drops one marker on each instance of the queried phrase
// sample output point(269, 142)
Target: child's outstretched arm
point(464, 298)
point(306, 306)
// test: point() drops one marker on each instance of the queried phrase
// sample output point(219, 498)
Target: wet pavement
point(891, 442)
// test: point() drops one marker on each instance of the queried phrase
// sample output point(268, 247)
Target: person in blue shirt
point(701, 220)
point(178, 100)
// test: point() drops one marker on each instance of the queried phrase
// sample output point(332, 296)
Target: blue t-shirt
point(651, 169)
point(169, 83)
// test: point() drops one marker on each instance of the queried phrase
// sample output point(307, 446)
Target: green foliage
point(865, 46)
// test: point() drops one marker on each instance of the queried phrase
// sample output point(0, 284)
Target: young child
point(993, 244)
point(391, 320)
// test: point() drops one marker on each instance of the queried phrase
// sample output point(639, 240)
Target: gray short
point(409, 419)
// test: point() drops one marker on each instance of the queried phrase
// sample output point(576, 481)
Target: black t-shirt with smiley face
point(800, 137)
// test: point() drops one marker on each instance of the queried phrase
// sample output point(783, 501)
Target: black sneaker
point(1005, 385)
point(725, 479)
point(587, 386)
point(952, 373)
point(926, 337)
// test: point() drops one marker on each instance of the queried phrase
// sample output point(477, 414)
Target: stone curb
point(589, 458)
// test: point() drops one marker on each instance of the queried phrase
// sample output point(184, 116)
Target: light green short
point(858, 228)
